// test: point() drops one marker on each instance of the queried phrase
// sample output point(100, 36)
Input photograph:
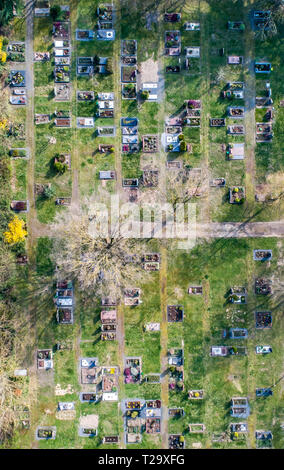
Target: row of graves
point(99, 383)
point(129, 135)
point(140, 416)
point(17, 82)
point(108, 325)
point(62, 60)
point(105, 15)
point(264, 130)
point(64, 301)
point(190, 116)
point(128, 69)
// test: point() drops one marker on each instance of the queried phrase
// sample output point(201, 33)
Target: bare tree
point(106, 263)
point(184, 185)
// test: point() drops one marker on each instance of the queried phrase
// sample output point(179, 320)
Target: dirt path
point(31, 216)
point(249, 119)
point(164, 348)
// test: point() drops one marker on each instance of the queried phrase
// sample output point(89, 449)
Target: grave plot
point(192, 52)
point(23, 416)
point(150, 143)
point(150, 178)
point(174, 165)
point(263, 286)
point(88, 425)
point(235, 25)
point(105, 12)
point(236, 112)
point(107, 175)
point(176, 378)
point(16, 130)
point(151, 261)
point(106, 107)
point(196, 394)
point(217, 122)
point(108, 131)
point(196, 428)
point(263, 392)
point(152, 378)
point(63, 201)
point(62, 92)
point(172, 17)
point(235, 151)
point(239, 407)
point(45, 432)
point(175, 313)
point(263, 320)
point(233, 90)
point(108, 335)
point(89, 370)
point(17, 98)
point(19, 153)
point(262, 255)
point(217, 183)
point(129, 47)
point(44, 359)
point(106, 148)
point(172, 43)
point(62, 60)
point(235, 60)
point(264, 102)
point(153, 425)
point(41, 56)
point(66, 411)
point(262, 67)
point(19, 206)
point(85, 122)
point(129, 91)
point(196, 290)
point(191, 26)
point(175, 357)
point(128, 74)
point(216, 351)
point(130, 183)
point(87, 397)
point(238, 295)
point(85, 66)
point(22, 259)
point(62, 119)
point(176, 441)
point(128, 60)
point(85, 35)
point(85, 96)
point(108, 317)
point(17, 78)
point(132, 296)
point(238, 333)
point(236, 129)
point(62, 74)
point(111, 440)
point(64, 315)
point(108, 302)
point(105, 34)
point(61, 30)
point(172, 69)
point(176, 412)
point(238, 430)
point(16, 52)
point(263, 349)
point(110, 387)
point(132, 370)
point(263, 439)
point(42, 118)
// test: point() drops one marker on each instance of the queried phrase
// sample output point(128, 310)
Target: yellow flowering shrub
point(16, 232)
point(3, 57)
point(3, 123)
